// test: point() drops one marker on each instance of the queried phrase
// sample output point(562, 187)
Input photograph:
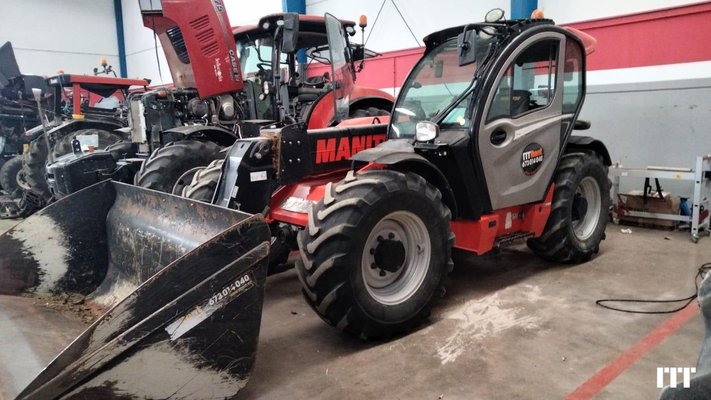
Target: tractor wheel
point(204, 183)
point(376, 250)
point(11, 179)
point(164, 168)
point(369, 112)
point(579, 212)
point(34, 168)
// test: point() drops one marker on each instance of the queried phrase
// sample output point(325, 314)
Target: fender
point(216, 134)
point(322, 113)
point(73, 125)
point(399, 155)
point(588, 143)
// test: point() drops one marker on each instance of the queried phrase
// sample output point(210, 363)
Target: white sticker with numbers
point(258, 176)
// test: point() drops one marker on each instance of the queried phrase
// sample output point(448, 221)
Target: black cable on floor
point(700, 274)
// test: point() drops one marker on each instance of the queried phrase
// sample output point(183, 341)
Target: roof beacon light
point(537, 14)
point(363, 21)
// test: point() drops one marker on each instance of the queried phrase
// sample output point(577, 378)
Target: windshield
point(435, 82)
point(255, 54)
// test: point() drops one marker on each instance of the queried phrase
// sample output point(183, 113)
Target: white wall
point(423, 16)
point(49, 35)
point(140, 46)
point(567, 11)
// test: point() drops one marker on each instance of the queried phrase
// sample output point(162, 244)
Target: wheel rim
point(20, 178)
point(588, 191)
point(184, 181)
point(404, 233)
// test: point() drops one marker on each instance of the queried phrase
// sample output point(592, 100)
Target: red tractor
point(226, 86)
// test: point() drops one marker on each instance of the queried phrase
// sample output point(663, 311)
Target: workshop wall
point(68, 35)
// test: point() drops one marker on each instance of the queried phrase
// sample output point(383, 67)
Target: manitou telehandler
point(479, 154)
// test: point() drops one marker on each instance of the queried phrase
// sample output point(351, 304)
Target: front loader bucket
point(177, 287)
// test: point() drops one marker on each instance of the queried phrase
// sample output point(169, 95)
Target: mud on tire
point(576, 227)
point(338, 243)
point(167, 164)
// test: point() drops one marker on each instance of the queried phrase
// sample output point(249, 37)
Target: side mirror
point(426, 131)
point(290, 33)
point(37, 94)
point(466, 46)
point(358, 52)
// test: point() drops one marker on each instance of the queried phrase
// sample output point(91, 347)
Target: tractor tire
point(204, 183)
point(11, 179)
point(34, 168)
point(579, 213)
point(376, 250)
point(369, 112)
point(166, 165)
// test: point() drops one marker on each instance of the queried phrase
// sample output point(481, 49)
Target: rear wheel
point(375, 252)
point(164, 168)
point(11, 179)
point(579, 213)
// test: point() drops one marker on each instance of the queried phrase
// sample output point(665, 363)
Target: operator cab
point(270, 85)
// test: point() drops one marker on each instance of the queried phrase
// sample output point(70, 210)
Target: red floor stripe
point(612, 370)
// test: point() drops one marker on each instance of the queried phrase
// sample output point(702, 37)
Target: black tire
point(204, 183)
point(10, 175)
point(35, 159)
point(332, 246)
point(34, 168)
point(369, 112)
point(560, 242)
point(167, 164)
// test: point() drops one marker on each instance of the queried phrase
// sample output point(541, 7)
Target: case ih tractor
point(479, 154)
point(227, 84)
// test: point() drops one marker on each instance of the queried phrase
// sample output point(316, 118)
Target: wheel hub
point(580, 207)
point(389, 254)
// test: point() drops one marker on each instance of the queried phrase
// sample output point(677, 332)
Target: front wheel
point(375, 252)
point(579, 213)
point(11, 178)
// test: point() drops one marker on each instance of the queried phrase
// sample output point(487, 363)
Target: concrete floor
point(510, 327)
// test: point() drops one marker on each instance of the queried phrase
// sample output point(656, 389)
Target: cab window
point(573, 80)
point(528, 83)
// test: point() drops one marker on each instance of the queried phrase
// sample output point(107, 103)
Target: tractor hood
point(198, 43)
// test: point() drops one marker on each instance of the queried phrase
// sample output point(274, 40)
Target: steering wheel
point(262, 65)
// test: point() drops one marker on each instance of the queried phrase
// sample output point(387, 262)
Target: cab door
point(341, 72)
point(520, 130)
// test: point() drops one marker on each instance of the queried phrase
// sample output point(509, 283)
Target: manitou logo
point(338, 149)
point(673, 374)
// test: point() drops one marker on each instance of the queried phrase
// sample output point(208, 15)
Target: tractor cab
point(275, 56)
point(501, 94)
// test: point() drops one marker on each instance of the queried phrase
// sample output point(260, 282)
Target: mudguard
point(576, 142)
point(178, 286)
point(216, 134)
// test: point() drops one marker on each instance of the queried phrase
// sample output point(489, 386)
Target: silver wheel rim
point(392, 288)
point(184, 180)
point(590, 191)
point(20, 178)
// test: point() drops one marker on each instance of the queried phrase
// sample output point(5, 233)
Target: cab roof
point(307, 23)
